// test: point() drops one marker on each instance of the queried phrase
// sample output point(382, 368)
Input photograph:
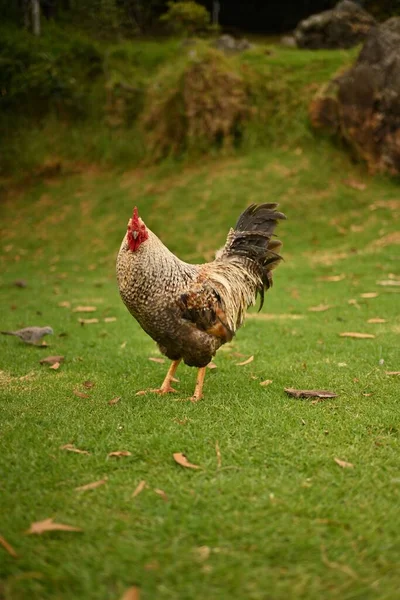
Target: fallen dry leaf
point(80, 394)
point(212, 366)
point(319, 308)
point(343, 463)
point(88, 321)
point(369, 295)
point(183, 461)
point(91, 486)
point(88, 384)
point(140, 487)
point(114, 400)
point(266, 382)
point(86, 309)
point(161, 361)
point(310, 393)
point(162, 494)
point(8, 547)
point(153, 565)
point(376, 320)
point(202, 553)
point(132, 593)
point(392, 372)
point(218, 453)
point(51, 360)
point(245, 362)
point(332, 278)
point(123, 345)
point(389, 282)
point(119, 453)
point(355, 334)
point(48, 525)
point(65, 304)
point(55, 366)
point(109, 319)
point(71, 448)
point(356, 185)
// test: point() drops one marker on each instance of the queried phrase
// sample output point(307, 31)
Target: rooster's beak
point(134, 234)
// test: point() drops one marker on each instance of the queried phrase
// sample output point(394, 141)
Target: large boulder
point(228, 44)
point(362, 105)
point(344, 26)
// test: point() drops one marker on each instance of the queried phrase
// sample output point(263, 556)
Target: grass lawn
point(276, 516)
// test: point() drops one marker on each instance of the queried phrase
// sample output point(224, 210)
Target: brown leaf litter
point(310, 393)
point(376, 320)
point(355, 185)
point(119, 453)
point(132, 593)
point(71, 448)
point(110, 319)
point(344, 464)
point(52, 360)
point(88, 384)
point(388, 282)
point(64, 304)
point(183, 461)
point(49, 525)
point(218, 453)
point(162, 494)
point(86, 309)
point(245, 362)
point(319, 308)
point(357, 335)
point(160, 361)
point(266, 382)
point(80, 394)
point(114, 400)
point(332, 278)
point(91, 486)
point(139, 488)
point(7, 547)
point(369, 295)
point(392, 372)
point(88, 321)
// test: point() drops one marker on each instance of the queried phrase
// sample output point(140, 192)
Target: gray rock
point(363, 104)
point(288, 41)
point(344, 26)
point(227, 43)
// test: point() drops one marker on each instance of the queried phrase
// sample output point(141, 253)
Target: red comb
point(135, 217)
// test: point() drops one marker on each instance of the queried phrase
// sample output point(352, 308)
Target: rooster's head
point(137, 232)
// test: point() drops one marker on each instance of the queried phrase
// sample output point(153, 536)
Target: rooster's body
point(191, 310)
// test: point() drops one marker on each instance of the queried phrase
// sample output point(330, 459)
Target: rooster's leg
point(166, 384)
point(198, 390)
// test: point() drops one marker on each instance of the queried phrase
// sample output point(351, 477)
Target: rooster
point(192, 310)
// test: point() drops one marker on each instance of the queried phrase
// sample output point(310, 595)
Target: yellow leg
point(198, 390)
point(166, 384)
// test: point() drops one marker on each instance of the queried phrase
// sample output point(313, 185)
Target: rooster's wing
point(202, 305)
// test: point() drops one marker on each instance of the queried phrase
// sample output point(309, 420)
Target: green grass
point(72, 100)
point(280, 518)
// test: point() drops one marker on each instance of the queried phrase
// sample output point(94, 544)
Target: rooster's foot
point(195, 398)
point(167, 389)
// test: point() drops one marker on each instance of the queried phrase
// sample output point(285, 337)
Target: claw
point(164, 390)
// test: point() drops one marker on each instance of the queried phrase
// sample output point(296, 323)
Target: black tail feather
point(251, 239)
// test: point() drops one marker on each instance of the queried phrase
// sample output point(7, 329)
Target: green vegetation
point(73, 100)
point(279, 518)
point(93, 127)
point(187, 17)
